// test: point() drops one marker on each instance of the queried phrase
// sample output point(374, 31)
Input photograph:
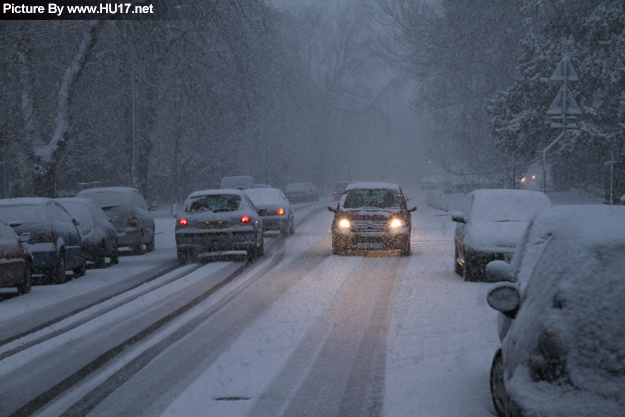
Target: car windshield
point(107, 198)
point(215, 203)
point(262, 196)
point(371, 198)
point(26, 213)
point(81, 213)
point(507, 208)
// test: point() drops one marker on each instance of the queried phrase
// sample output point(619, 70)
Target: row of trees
point(172, 105)
point(483, 70)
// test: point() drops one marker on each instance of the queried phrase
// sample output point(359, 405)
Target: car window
point(27, 213)
point(372, 198)
point(81, 213)
point(219, 202)
point(106, 198)
point(61, 214)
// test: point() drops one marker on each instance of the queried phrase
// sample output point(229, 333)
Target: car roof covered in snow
point(217, 191)
point(373, 186)
point(23, 201)
point(107, 190)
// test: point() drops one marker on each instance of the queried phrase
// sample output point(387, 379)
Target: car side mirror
point(499, 271)
point(410, 210)
point(458, 217)
point(24, 237)
point(262, 212)
point(76, 223)
point(153, 208)
point(505, 298)
point(333, 210)
point(113, 219)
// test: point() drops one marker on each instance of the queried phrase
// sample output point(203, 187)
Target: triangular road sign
point(571, 107)
point(559, 75)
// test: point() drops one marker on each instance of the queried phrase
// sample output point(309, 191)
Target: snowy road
point(299, 332)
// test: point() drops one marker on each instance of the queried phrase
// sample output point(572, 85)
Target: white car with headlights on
point(371, 216)
point(219, 222)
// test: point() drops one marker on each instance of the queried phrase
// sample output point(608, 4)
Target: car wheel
point(27, 283)
point(58, 271)
point(292, 227)
point(470, 274)
point(115, 257)
point(497, 385)
point(457, 267)
point(183, 257)
point(150, 247)
point(260, 251)
point(405, 251)
point(137, 249)
point(80, 270)
point(100, 260)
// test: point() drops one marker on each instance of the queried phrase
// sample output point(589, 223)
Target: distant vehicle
point(278, 213)
point(99, 234)
point(130, 214)
point(339, 189)
point(492, 227)
point(217, 221)
point(301, 192)
point(562, 354)
point(16, 260)
point(262, 186)
point(371, 216)
point(242, 182)
point(55, 240)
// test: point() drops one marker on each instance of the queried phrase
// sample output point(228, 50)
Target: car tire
point(115, 256)
point(252, 254)
point(292, 227)
point(27, 283)
point(260, 251)
point(58, 275)
point(405, 250)
point(497, 385)
point(80, 270)
point(183, 257)
point(137, 249)
point(100, 260)
point(469, 274)
point(150, 247)
point(457, 267)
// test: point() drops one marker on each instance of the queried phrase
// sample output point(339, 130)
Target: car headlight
point(344, 224)
point(397, 223)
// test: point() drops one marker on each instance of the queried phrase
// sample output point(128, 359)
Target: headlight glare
point(396, 223)
point(344, 224)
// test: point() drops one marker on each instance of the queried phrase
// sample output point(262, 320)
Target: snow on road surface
point(333, 334)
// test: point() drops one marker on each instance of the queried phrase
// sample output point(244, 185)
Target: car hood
point(494, 236)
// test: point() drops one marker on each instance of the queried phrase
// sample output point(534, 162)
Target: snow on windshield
point(224, 202)
point(261, 196)
point(106, 198)
point(507, 205)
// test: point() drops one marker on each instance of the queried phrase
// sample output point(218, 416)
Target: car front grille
point(368, 226)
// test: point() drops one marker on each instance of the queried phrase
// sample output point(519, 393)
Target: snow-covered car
point(99, 234)
point(16, 260)
point(55, 240)
point(219, 221)
point(301, 192)
point(492, 227)
point(371, 216)
point(130, 214)
point(339, 189)
point(278, 214)
point(241, 182)
point(563, 355)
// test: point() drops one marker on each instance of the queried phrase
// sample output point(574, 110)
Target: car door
point(147, 222)
point(72, 237)
point(11, 257)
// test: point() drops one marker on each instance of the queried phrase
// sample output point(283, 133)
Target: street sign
point(571, 104)
point(564, 71)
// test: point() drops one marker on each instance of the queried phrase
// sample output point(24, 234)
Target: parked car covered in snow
point(301, 192)
point(371, 216)
point(219, 221)
point(16, 260)
point(130, 214)
point(278, 215)
point(99, 234)
point(55, 240)
point(492, 227)
point(563, 352)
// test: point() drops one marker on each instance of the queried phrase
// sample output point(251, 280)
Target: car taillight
point(183, 222)
point(335, 192)
point(245, 219)
point(280, 211)
point(132, 221)
point(46, 236)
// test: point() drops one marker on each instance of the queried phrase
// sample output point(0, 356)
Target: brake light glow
point(46, 236)
point(132, 221)
point(335, 192)
point(245, 219)
point(183, 222)
point(280, 211)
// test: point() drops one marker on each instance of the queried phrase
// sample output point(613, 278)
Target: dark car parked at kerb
point(371, 216)
point(55, 241)
point(16, 260)
point(130, 215)
point(99, 234)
